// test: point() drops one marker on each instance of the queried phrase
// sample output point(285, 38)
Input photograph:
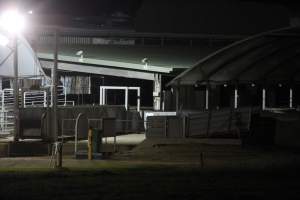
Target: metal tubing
point(291, 98)
point(207, 98)
point(16, 88)
point(263, 99)
point(126, 98)
point(235, 98)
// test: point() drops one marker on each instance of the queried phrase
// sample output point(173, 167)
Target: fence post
point(90, 145)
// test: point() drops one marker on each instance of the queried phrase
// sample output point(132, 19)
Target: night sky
point(176, 16)
point(100, 7)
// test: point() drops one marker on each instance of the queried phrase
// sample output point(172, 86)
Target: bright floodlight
point(3, 40)
point(12, 21)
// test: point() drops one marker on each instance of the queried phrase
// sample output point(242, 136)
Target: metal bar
point(235, 98)
point(54, 86)
point(291, 98)
point(16, 88)
point(126, 98)
point(207, 98)
point(138, 99)
point(263, 99)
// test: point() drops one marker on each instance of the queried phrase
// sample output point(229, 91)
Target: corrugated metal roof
point(267, 57)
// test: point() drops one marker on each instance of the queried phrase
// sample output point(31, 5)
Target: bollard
point(59, 155)
point(202, 160)
point(90, 145)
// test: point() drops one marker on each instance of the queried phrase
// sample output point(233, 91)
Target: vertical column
point(54, 86)
point(235, 98)
point(177, 98)
point(157, 92)
point(16, 87)
point(138, 99)
point(126, 98)
point(291, 98)
point(207, 97)
point(263, 99)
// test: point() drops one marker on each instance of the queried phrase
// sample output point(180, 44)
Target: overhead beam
point(99, 70)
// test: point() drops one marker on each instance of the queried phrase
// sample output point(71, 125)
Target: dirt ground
point(159, 170)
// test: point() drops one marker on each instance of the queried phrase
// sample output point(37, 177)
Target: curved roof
point(29, 65)
point(272, 56)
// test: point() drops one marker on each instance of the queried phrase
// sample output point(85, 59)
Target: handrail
point(80, 115)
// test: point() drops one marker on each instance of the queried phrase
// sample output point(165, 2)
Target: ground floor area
point(159, 171)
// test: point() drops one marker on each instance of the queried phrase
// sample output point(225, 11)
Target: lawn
point(146, 180)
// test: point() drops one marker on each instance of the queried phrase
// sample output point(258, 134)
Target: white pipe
point(126, 98)
point(206, 98)
point(291, 98)
point(235, 98)
point(263, 99)
point(103, 96)
point(24, 99)
point(138, 99)
point(45, 99)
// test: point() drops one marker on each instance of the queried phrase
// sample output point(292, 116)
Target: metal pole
point(263, 99)
point(16, 88)
point(291, 98)
point(207, 97)
point(126, 98)
point(235, 98)
point(177, 98)
point(54, 97)
point(138, 100)
point(54, 86)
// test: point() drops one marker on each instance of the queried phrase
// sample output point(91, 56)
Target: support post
point(263, 99)
point(235, 97)
point(54, 97)
point(177, 98)
point(126, 98)
point(138, 100)
point(157, 92)
point(16, 88)
point(90, 145)
point(207, 97)
point(291, 98)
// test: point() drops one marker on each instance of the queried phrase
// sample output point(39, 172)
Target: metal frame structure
point(103, 90)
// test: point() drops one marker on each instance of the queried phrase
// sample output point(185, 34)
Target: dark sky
point(178, 16)
point(103, 7)
point(76, 7)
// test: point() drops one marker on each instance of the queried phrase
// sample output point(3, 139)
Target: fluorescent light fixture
point(12, 21)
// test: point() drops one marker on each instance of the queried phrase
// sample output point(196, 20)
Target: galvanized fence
point(216, 123)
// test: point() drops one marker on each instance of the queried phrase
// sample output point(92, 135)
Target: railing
point(6, 114)
point(35, 98)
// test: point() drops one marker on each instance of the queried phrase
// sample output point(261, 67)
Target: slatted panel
point(219, 121)
point(175, 127)
point(156, 127)
point(241, 119)
point(197, 124)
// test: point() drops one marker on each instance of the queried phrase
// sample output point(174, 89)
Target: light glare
point(3, 40)
point(12, 21)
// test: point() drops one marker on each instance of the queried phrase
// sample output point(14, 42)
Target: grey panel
point(156, 127)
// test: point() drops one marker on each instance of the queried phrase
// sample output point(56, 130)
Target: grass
point(138, 180)
point(165, 172)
